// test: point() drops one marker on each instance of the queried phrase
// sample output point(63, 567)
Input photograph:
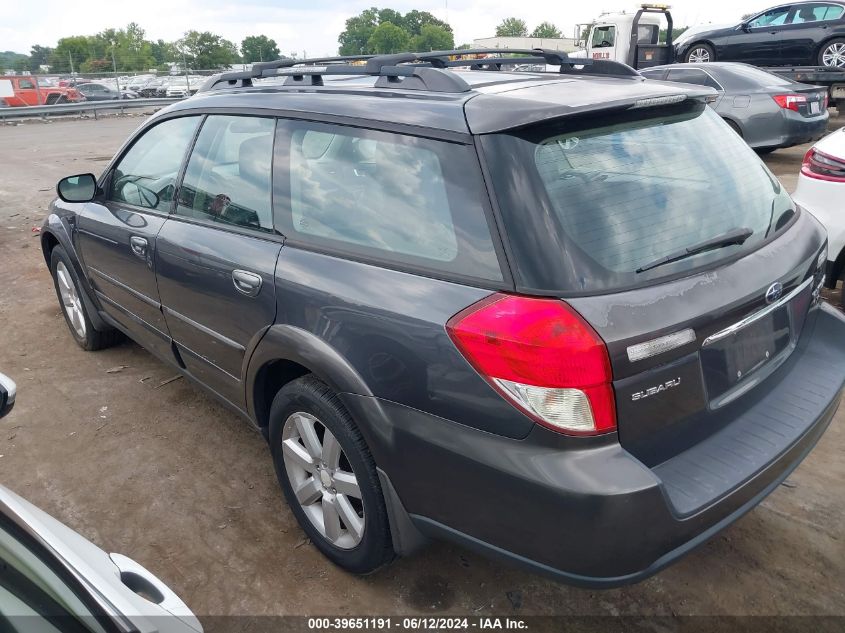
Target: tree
point(163, 53)
point(512, 27)
point(259, 48)
point(359, 29)
point(75, 48)
point(206, 51)
point(415, 20)
point(39, 56)
point(388, 38)
point(433, 38)
point(392, 16)
point(546, 30)
point(676, 32)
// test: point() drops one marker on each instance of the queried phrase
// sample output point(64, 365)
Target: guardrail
point(45, 111)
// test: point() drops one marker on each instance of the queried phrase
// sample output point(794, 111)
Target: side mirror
point(81, 188)
point(745, 27)
point(7, 394)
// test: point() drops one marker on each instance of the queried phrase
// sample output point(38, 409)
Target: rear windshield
point(593, 205)
point(759, 77)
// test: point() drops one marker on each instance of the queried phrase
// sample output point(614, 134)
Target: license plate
point(733, 359)
point(815, 107)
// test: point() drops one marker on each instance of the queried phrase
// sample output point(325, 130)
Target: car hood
point(703, 31)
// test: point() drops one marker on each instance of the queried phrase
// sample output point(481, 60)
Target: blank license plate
point(815, 107)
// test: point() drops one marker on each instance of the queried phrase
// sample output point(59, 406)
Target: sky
point(312, 26)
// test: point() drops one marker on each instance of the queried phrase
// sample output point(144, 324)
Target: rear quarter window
point(398, 199)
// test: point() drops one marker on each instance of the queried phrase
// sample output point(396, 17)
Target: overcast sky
point(311, 26)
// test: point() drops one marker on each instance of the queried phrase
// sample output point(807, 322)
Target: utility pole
point(70, 57)
point(116, 80)
point(185, 68)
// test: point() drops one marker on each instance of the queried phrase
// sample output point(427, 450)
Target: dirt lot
point(164, 474)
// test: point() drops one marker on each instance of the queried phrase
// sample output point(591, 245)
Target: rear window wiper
point(734, 236)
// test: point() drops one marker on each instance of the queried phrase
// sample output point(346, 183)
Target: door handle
point(138, 246)
point(246, 282)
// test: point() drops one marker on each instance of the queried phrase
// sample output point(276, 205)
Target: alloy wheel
point(70, 300)
point(323, 480)
point(834, 55)
point(699, 56)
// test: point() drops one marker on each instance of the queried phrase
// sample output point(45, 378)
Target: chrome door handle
point(246, 282)
point(138, 246)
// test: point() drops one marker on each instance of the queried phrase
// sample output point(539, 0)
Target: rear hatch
point(618, 215)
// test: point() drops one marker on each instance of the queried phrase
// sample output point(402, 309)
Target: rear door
point(216, 257)
point(117, 232)
point(807, 25)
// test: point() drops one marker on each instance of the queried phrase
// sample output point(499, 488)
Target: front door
point(758, 41)
point(116, 233)
point(807, 25)
point(216, 257)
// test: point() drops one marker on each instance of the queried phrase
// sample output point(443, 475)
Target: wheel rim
point(70, 300)
point(834, 55)
point(699, 56)
point(323, 480)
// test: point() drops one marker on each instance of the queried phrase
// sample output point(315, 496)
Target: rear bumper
point(587, 512)
point(798, 129)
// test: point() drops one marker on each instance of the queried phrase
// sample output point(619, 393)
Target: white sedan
point(821, 190)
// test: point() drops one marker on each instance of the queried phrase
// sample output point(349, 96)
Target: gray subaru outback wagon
point(564, 318)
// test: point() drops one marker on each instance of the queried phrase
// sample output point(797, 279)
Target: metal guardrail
point(45, 111)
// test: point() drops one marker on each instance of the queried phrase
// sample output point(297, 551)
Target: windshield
point(615, 197)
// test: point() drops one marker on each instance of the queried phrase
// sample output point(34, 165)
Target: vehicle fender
point(57, 227)
point(290, 343)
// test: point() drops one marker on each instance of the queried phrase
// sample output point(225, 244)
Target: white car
point(52, 579)
point(821, 190)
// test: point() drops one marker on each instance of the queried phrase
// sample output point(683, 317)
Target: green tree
point(433, 38)
point(259, 48)
point(163, 53)
point(355, 37)
point(392, 16)
point(9, 60)
point(75, 48)
point(39, 56)
point(206, 51)
point(546, 30)
point(676, 32)
point(388, 38)
point(512, 27)
point(415, 20)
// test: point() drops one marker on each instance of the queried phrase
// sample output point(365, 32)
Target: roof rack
point(414, 71)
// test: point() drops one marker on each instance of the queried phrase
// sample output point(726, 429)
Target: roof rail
point(415, 71)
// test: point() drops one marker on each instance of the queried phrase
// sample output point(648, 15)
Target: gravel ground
point(159, 471)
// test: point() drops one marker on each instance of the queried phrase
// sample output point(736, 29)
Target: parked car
point(796, 34)
point(139, 81)
point(821, 190)
point(94, 91)
point(183, 87)
point(28, 91)
point(768, 111)
point(512, 310)
point(151, 88)
point(53, 579)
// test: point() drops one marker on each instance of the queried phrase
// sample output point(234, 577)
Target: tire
point(834, 50)
point(700, 53)
point(328, 492)
point(74, 310)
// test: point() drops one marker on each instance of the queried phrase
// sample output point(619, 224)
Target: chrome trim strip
point(660, 345)
point(736, 327)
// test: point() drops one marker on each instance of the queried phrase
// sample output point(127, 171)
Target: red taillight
point(822, 166)
point(543, 357)
point(790, 102)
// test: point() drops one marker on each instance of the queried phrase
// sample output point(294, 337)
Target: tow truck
point(634, 39)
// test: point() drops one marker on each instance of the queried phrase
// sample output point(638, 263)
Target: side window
point(693, 76)
point(652, 74)
point(146, 175)
point(26, 84)
point(228, 179)
point(403, 199)
point(775, 17)
point(603, 36)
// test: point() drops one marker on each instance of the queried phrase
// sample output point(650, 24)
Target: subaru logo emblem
point(774, 292)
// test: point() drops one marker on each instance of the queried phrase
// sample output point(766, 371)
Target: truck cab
point(631, 38)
